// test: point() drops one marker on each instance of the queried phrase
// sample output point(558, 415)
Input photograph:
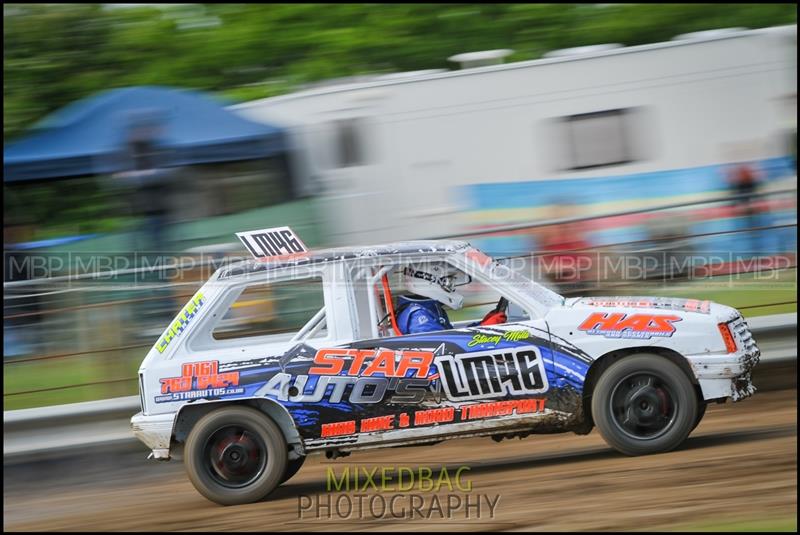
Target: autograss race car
point(244, 399)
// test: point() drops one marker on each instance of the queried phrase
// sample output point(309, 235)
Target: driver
point(423, 311)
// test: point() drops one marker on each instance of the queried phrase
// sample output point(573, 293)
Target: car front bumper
point(728, 375)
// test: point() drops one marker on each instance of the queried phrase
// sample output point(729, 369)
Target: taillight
point(730, 343)
point(141, 391)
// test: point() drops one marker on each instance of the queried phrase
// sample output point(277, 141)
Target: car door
point(460, 381)
point(248, 333)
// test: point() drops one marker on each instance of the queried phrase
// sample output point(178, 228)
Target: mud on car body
point(245, 411)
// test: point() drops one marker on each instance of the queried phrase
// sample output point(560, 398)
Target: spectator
point(566, 260)
point(150, 179)
point(743, 181)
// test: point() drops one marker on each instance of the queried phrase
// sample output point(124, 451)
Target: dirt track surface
point(741, 462)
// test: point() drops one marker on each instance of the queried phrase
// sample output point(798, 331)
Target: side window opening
point(286, 310)
point(474, 302)
point(369, 301)
point(482, 300)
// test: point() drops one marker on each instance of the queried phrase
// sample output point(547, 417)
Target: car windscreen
point(506, 274)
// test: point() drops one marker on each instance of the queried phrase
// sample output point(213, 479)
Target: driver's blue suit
point(421, 316)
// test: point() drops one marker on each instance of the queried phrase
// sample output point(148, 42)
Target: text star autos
point(297, 352)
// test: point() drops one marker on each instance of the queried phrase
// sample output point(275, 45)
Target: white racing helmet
point(435, 281)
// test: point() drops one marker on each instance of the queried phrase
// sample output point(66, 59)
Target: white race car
point(244, 399)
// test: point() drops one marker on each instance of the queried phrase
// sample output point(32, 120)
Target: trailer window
point(598, 139)
point(349, 147)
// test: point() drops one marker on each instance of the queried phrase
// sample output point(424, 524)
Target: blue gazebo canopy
point(87, 137)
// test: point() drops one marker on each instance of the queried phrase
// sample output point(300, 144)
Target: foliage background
point(54, 54)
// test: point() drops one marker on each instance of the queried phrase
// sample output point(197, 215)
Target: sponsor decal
point(442, 415)
point(199, 380)
point(446, 282)
point(180, 324)
point(510, 336)
point(621, 325)
point(336, 429)
point(434, 416)
point(272, 242)
point(368, 362)
point(502, 408)
point(287, 387)
point(369, 372)
point(408, 375)
point(490, 374)
point(688, 305)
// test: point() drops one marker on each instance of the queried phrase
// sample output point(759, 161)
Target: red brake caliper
point(220, 450)
point(252, 451)
point(664, 400)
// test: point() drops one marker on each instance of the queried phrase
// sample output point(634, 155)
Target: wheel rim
point(643, 406)
point(235, 456)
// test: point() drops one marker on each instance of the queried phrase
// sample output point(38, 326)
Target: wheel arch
point(189, 414)
point(603, 362)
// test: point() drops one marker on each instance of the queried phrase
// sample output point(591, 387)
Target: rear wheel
point(644, 404)
point(235, 455)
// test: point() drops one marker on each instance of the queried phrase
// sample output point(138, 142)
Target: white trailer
point(416, 155)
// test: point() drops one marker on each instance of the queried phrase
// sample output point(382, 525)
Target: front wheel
point(235, 455)
point(701, 411)
point(644, 404)
point(292, 467)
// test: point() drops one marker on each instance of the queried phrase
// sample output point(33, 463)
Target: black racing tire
point(235, 455)
point(701, 411)
point(644, 404)
point(292, 467)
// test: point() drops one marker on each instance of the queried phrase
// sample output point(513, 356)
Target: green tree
point(55, 54)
